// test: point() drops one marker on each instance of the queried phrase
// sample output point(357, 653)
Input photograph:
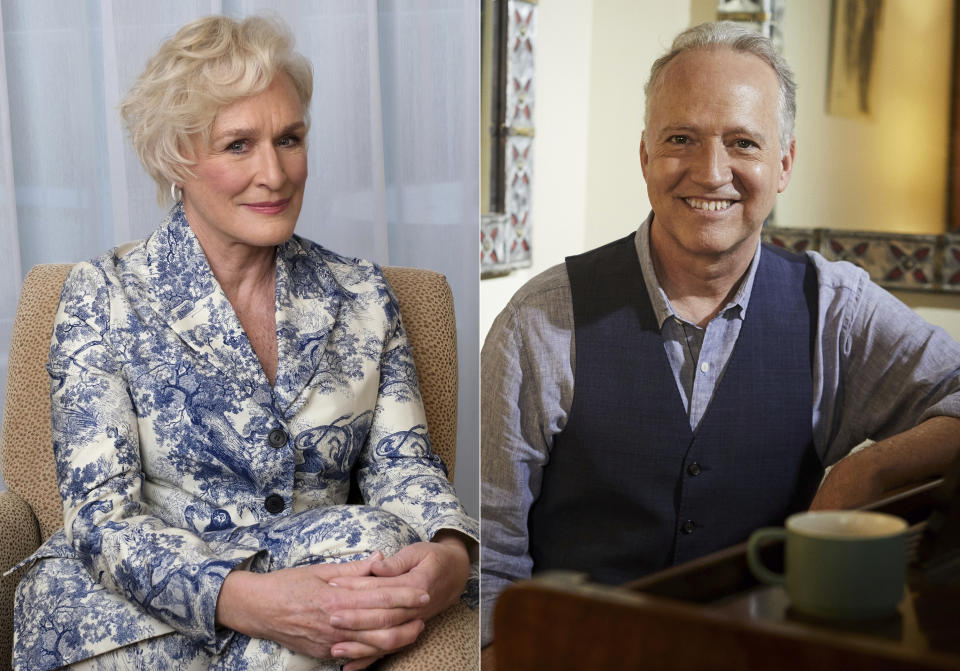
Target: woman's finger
point(373, 618)
point(350, 568)
point(354, 650)
point(368, 582)
point(341, 599)
point(385, 640)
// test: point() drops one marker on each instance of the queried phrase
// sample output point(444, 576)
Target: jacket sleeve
point(170, 572)
point(397, 469)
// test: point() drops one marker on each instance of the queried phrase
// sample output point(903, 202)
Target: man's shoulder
point(837, 275)
point(550, 286)
point(541, 310)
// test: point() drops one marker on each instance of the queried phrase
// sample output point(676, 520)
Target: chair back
point(26, 444)
point(426, 308)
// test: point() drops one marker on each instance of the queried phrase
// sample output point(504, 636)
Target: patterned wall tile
point(494, 234)
point(505, 244)
point(951, 262)
point(893, 260)
point(795, 239)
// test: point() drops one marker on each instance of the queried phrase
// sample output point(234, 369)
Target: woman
point(213, 389)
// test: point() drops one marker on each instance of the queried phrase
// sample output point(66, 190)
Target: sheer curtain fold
point(393, 145)
point(10, 274)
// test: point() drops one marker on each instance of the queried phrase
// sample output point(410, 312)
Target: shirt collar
point(658, 297)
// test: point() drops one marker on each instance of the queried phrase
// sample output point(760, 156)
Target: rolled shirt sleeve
point(527, 389)
point(880, 368)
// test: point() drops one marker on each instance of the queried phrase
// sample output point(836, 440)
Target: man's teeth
point(700, 204)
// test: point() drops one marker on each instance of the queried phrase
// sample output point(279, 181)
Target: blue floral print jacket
point(172, 447)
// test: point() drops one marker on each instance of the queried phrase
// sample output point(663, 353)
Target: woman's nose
point(270, 171)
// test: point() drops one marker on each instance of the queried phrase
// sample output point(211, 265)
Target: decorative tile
point(494, 234)
point(505, 238)
point(950, 280)
point(893, 260)
point(519, 160)
point(521, 33)
point(795, 239)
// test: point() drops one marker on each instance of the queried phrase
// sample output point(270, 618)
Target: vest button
point(274, 504)
point(688, 527)
point(694, 469)
point(277, 438)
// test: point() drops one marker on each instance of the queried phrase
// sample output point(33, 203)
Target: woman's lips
point(273, 207)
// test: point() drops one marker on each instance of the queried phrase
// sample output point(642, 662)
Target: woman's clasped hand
point(298, 607)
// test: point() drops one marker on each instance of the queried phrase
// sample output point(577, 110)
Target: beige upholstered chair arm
point(21, 536)
point(450, 641)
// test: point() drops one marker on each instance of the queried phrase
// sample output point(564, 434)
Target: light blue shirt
point(878, 369)
point(697, 356)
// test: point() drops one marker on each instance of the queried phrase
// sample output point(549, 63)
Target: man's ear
point(786, 166)
point(644, 158)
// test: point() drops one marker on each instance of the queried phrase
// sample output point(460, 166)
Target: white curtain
point(393, 142)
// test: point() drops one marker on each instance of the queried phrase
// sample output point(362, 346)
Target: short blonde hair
point(208, 64)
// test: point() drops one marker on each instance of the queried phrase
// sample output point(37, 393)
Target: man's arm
point(887, 375)
point(526, 392)
point(920, 453)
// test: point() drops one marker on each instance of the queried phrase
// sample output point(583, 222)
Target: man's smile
point(708, 204)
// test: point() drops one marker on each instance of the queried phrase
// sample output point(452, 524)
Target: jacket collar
point(191, 301)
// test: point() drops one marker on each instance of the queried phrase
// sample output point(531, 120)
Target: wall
point(886, 172)
point(592, 60)
point(561, 117)
point(588, 125)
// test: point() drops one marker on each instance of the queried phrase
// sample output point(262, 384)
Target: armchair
point(30, 511)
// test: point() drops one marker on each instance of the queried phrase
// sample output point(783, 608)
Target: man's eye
point(745, 144)
point(678, 139)
point(237, 146)
point(289, 141)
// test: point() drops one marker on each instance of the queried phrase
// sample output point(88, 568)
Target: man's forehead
point(719, 62)
point(705, 80)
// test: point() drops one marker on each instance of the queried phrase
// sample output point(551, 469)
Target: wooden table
point(712, 614)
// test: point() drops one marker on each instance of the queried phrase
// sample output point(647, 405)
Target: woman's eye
point(237, 146)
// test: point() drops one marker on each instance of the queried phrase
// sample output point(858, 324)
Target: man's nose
point(711, 165)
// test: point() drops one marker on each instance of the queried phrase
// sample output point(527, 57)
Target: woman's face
point(248, 183)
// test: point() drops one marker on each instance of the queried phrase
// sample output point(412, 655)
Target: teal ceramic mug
point(840, 564)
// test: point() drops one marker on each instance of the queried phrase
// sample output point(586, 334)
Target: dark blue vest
point(629, 488)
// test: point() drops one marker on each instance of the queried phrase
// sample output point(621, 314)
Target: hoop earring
point(176, 192)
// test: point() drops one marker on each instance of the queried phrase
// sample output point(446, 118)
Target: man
point(662, 396)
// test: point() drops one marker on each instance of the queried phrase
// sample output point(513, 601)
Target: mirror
point(873, 77)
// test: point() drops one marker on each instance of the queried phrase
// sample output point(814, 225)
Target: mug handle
point(758, 538)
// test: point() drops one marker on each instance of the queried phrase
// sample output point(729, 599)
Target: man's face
point(711, 153)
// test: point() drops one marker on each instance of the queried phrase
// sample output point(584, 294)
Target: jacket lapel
point(309, 300)
point(188, 297)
